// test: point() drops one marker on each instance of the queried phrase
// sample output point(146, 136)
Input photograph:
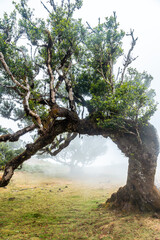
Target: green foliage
point(105, 45)
point(132, 100)
point(3, 130)
point(84, 54)
point(7, 152)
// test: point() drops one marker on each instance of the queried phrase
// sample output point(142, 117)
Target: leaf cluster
point(84, 55)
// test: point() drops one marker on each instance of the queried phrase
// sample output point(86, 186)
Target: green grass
point(62, 209)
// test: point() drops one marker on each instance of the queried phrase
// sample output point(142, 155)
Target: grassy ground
point(35, 207)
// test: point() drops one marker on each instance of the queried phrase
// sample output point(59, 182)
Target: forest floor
point(34, 207)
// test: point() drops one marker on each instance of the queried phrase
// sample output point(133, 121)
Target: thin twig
point(45, 7)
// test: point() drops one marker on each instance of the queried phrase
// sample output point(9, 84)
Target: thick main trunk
point(142, 152)
point(139, 191)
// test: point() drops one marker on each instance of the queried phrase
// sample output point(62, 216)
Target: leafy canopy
point(64, 62)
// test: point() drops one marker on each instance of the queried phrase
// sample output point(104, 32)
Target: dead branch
point(45, 7)
point(118, 73)
point(129, 59)
point(89, 26)
point(15, 136)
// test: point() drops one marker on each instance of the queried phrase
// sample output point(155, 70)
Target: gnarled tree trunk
point(139, 191)
point(142, 151)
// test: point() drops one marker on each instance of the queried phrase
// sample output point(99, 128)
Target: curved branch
point(5, 66)
point(31, 149)
point(15, 136)
point(65, 144)
point(27, 108)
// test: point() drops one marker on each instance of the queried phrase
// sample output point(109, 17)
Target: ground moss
point(41, 211)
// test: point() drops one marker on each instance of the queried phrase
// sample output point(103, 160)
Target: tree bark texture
point(31, 149)
point(139, 192)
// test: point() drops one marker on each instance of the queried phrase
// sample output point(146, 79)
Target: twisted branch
point(27, 107)
point(65, 144)
point(15, 136)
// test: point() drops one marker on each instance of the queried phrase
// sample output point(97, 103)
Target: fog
point(98, 173)
point(144, 17)
point(108, 169)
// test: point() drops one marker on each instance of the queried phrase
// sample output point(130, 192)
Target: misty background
point(142, 16)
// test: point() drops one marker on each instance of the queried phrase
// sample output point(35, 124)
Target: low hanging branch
point(15, 136)
point(129, 59)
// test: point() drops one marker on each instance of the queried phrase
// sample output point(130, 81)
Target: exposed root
point(127, 199)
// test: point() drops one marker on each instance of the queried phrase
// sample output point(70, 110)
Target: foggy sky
point(142, 16)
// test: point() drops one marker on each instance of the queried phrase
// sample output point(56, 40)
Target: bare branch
point(118, 73)
point(14, 88)
point(129, 59)
point(65, 144)
point(102, 74)
point(5, 66)
point(62, 3)
point(53, 5)
point(66, 57)
point(49, 67)
point(27, 108)
point(15, 136)
point(70, 94)
point(45, 7)
point(69, 7)
point(60, 80)
point(79, 99)
point(20, 50)
point(89, 26)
